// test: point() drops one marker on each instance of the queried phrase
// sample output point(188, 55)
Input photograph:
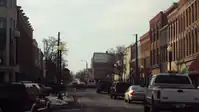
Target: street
point(91, 101)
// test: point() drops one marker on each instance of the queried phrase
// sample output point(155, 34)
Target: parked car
point(168, 91)
point(118, 89)
point(45, 90)
point(134, 93)
point(103, 86)
point(17, 97)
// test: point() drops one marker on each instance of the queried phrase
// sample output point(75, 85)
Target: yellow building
point(126, 61)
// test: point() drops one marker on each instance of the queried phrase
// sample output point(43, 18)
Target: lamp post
point(169, 49)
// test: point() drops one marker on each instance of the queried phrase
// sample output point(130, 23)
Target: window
point(193, 43)
point(2, 22)
point(197, 39)
point(172, 79)
point(190, 50)
point(2, 2)
point(196, 9)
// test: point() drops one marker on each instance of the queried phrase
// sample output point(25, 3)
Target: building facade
point(25, 56)
point(164, 39)
point(38, 61)
point(156, 24)
point(102, 65)
point(183, 32)
point(126, 62)
point(145, 54)
point(8, 32)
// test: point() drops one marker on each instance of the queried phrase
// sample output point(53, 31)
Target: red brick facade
point(156, 24)
point(183, 28)
point(25, 47)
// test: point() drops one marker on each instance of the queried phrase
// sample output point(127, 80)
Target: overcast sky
point(91, 25)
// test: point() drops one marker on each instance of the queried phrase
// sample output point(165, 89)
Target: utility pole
point(60, 62)
point(137, 68)
point(58, 59)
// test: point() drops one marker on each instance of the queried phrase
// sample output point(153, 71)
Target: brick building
point(38, 61)
point(25, 57)
point(183, 31)
point(145, 53)
point(156, 24)
point(164, 40)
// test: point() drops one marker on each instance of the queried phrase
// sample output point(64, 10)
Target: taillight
point(158, 94)
point(132, 93)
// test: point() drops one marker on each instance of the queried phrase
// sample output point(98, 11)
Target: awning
point(194, 67)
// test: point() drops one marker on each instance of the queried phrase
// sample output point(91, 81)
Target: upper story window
point(2, 2)
point(2, 22)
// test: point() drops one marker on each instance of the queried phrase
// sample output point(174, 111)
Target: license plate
point(180, 106)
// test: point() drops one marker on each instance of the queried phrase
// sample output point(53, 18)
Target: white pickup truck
point(170, 91)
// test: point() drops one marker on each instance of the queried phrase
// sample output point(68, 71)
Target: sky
point(89, 26)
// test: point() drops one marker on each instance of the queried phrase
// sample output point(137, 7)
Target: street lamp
point(169, 49)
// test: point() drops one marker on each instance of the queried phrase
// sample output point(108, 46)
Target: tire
point(98, 91)
point(49, 108)
point(111, 96)
point(129, 101)
point(146, 108)
point(153, 108)
point(114, 97)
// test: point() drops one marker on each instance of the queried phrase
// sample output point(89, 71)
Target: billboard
point(100, 58)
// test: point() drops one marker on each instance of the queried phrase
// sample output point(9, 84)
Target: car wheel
point(97, 91)
point(146, 109)
point(129, 100)
point(153, 107)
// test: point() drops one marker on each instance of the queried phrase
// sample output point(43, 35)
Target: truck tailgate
point(180, 95)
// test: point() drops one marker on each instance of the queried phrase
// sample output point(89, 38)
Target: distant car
point(118, 89)
point(134, 93)
point(103, 86)
point(91, 84)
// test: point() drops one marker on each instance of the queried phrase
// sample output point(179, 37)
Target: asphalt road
point(93, 102)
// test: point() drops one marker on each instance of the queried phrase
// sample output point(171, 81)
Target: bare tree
point(111, 51)
point(120, 49)
point(50, 49)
